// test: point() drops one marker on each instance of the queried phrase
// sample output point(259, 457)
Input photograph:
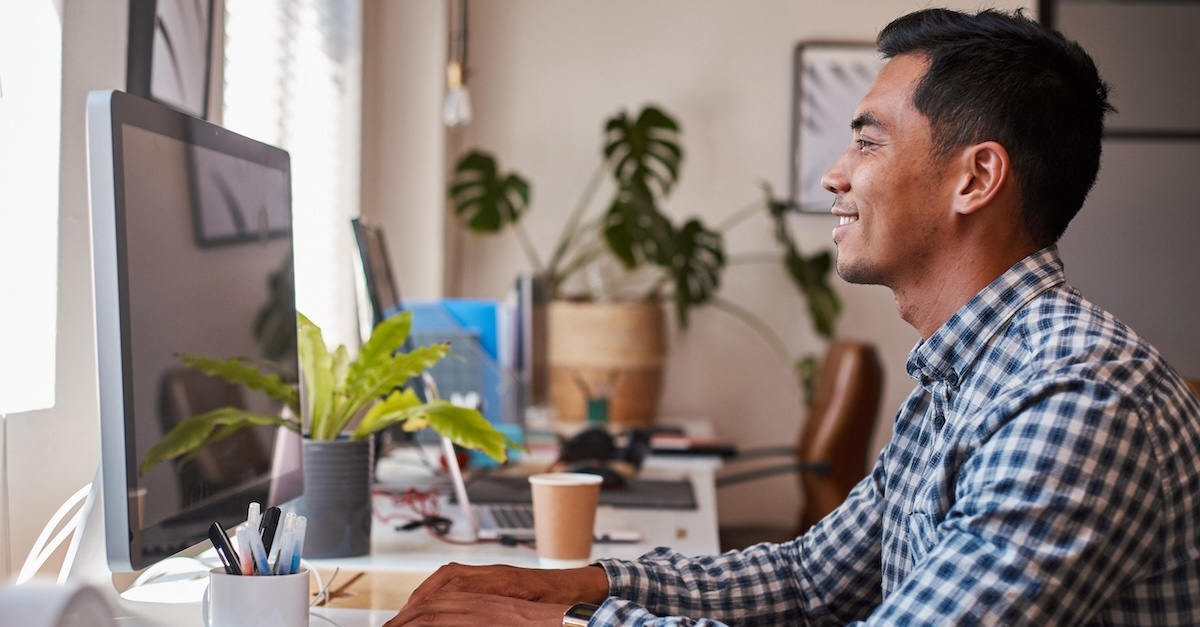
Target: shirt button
point(939, 421)
point(952, 379)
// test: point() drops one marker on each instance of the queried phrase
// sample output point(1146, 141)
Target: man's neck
point(928, 301)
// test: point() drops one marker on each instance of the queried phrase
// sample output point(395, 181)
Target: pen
point(267, 527)
point(251, 539)
point(298, 543)
point(287, 544)
point(220, 541)
point(252, 515)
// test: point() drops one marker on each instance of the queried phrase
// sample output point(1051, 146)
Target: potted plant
point(685, 259)
point(338, 390)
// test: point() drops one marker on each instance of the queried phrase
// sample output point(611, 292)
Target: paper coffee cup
point(564, 515)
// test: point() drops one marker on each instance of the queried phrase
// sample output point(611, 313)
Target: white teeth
point(847, 220)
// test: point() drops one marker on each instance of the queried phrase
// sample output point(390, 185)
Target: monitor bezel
point(108, 113)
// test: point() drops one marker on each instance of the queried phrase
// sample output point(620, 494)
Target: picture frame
point(236, 202)
point(169, 58)
point(829, 80)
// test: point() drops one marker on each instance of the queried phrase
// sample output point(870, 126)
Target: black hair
point(1002, 77)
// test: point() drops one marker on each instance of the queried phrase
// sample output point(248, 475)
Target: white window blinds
point(292, 79)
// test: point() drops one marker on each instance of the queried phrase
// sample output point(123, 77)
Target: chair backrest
point(838, 429)
point(185, 392)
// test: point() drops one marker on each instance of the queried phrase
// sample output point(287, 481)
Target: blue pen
point(298, 542)
point(283, 560)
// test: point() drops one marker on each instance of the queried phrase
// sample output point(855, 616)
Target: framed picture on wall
point(170, 42)
point(829, 80)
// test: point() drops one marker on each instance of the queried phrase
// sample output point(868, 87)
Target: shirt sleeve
point(828, 576)
point(1056, 511)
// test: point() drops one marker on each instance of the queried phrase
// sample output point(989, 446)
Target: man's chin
point(855, 273)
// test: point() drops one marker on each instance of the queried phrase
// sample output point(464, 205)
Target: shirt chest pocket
point(922, 537)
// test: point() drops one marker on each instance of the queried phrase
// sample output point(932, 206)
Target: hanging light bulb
point(456, 110)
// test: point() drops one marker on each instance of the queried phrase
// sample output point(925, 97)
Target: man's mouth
point(844, 220)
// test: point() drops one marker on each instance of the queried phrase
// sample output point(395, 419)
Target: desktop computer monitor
point(192, 254)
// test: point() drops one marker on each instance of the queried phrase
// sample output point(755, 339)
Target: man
point(1046, 468)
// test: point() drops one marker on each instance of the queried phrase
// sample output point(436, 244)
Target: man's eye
point(864, 144)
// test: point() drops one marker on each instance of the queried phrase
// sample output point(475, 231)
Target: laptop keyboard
point(505, 516)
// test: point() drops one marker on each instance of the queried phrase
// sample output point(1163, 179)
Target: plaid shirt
point(1044, 471)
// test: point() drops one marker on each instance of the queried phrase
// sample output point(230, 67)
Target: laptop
point(514, 521)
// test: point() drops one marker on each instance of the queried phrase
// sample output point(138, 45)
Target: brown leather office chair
point(831, 451)
point(1194, 384)
point(184, 392)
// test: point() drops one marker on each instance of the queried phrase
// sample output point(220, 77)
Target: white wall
point(403, 143)
point(545, 74)
point(52, 453)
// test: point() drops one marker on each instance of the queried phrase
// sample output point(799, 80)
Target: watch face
point(579, 615)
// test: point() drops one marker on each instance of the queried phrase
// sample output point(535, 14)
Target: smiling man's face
point(890, 195)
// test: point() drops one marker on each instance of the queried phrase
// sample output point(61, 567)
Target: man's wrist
point(579, 615)
point(592, 585)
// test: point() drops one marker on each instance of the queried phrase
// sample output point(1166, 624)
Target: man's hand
point(445, 607)
point(562, 587)
point(500, 595)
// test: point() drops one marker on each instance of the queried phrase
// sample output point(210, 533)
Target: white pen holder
point(255, 600)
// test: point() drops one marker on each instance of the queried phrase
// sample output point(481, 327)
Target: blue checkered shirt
point(1044, 471)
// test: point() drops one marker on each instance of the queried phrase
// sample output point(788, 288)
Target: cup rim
point(220, 571)
point(566, 479)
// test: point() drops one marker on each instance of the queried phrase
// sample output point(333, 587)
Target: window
point(31, 82)
point(292, 79)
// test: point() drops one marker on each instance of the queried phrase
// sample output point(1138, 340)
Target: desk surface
point(368, 590)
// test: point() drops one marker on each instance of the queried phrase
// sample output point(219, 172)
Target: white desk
point(399, 561)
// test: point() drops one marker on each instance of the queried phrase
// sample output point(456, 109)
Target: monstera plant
point(643, 157)
point(339, 390)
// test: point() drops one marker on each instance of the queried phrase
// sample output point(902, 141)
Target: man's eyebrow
point(866, 119)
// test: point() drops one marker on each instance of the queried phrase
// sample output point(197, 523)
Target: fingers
point(588, 584)
point(463, 608)
point(435, 582)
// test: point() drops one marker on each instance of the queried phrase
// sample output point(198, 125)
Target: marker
point(244, 551)
point(252, 516)
point(298, 542)
point(261, 566)
point(287, 544)
point(267, 526)
point(220, 541)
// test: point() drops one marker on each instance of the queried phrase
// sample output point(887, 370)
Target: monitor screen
point(192, 253)
point(383, 299)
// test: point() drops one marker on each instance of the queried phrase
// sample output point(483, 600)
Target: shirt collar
point(948, 354)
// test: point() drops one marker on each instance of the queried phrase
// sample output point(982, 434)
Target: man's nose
point(836, 179)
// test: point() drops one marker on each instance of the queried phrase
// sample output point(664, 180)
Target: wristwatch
point(579, 614)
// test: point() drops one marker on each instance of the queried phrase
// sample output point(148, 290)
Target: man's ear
point(985, 171)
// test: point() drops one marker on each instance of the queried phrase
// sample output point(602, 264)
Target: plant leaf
point(489, 199)
point(644, 150)
point(316, 364)
point(696, 267)
point(238, 370)
point(809, 275)
point(193, 433)
point(465, 427)
point(386, 412)
point(636, 231)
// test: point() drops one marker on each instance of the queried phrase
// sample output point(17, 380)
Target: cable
point(42, 550)
point(322, 587)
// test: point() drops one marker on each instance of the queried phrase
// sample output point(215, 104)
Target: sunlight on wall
point(292, 80)
point(30, 76)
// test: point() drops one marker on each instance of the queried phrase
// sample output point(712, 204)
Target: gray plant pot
point(337, 498)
